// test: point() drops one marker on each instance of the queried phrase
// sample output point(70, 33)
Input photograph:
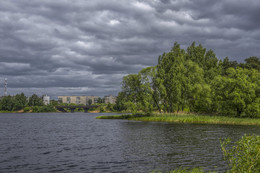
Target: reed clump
point(115, 117)
point(187, 118)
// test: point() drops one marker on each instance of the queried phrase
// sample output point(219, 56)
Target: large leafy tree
point(194, 80)
point(171, 71)
point(206, 60)
point(183, 79)
point(20, 101)
point(35, 100)
point(131, 86)
point(7, 103)
point(120, 102)
point(137, 91)
point(237, 93)
point(150, 96)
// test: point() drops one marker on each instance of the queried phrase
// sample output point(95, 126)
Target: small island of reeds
point(187, 118)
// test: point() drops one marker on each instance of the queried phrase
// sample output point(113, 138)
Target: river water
point(77, 142)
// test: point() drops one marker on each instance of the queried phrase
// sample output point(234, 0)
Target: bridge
point(72, 108)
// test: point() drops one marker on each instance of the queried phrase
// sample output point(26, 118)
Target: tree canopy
point(194, 80)
point(19, 101)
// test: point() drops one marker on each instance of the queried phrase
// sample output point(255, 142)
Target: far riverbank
point(187, 118)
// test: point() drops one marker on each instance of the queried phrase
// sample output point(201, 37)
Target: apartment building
point(110, 99)
point(85, 100)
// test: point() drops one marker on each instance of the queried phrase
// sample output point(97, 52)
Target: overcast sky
point(85, 47)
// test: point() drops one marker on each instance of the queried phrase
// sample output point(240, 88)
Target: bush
point(244, 156)
point(35, 109)
point(47, 108)
point(27, 109)
point(101, 109)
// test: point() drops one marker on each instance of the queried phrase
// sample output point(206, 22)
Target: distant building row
point(85, 100)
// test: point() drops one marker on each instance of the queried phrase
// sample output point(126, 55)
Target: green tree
point(237, 93)
point(110, 107)
point(34, 100)
point(54, 103)
point(183, 79)
point(226, 64)
point(7, 103)
point(196, 54)
point(89, 102)
point(251, 63)
point(171, 71)
point(196, 93)
point(20, 101)
point(100, 100)
point(150, 93)
point(121, 99)
point(131, 107)
point(131, 87)
point(194, 80)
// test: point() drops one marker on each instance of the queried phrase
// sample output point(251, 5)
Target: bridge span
point(72, 108)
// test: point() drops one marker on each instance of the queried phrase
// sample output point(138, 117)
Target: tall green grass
point(185, 170)
point(188, 118)
point(115, 117)
point(244, 155)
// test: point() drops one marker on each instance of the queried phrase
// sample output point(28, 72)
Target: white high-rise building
point(46, 99)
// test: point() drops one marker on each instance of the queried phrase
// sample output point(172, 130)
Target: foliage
point(185, 170)
point(244, 156)
point(100, 100)
point(54, 103)
point(89, 102)
point(236, 93)
point(101, 109)
point(27, 109)
point(194, 80)
point(115, 116)
point(19, 101)
point(10, 103)
point(45, 108)
point(132, 107)
point(121, 98)
point(196, 119)
point(110, 107)
point(35, 100)
point(251, 63)
point(7, 103)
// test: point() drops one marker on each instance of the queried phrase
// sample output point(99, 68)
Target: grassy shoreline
point(188, 118)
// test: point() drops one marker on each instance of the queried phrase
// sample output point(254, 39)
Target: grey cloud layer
point(62, 44)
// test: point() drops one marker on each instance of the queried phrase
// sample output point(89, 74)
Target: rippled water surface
point(77, 142)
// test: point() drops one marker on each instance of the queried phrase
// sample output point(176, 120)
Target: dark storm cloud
point(85, 47)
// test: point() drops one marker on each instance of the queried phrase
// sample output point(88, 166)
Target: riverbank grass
point(124, 116)
point(188, 118)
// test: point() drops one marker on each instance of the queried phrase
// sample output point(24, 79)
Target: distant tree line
point(194, 80)
point(20, 101)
